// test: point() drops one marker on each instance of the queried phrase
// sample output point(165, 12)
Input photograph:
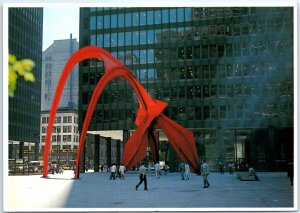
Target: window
point(197, 52)
point(214, 112)
point(165, 16)
point(136, 37)
point(223, 111)
point(150, 37)
point(213, 51)
point(106, 40)
point(172, 15)
point(187, 13)
point(44, 120)
point(120, 39)
point(206, 91)
point(198, 91)
point(121, 20)
point(157, 17)
point(69, 119)
point(180, 14)
point(206, 112)
point(128, 20)
point(100, 22)
point(65, 119)
point(150, 17)
point(128, 38)
point(143, 18)
point(204, 52)
point(190, 92)
point(106, 21)
point(229, 50)
point(93, 22)
point(135, 19)
point(239, 111)
point(143, 37)
point(93, 40)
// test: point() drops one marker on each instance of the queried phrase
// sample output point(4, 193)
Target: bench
point(245, 176)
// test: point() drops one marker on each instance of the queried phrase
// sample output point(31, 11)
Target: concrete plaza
point(94, 191)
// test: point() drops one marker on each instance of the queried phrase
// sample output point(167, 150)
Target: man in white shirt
point(113, 170)
point(157, 170)
point(205, 172)
point(122, 170)
point(143, 177)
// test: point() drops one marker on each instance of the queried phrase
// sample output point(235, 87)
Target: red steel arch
point(148, 118)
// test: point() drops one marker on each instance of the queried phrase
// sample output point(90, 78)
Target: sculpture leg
point(182, 141)
point(153, 143)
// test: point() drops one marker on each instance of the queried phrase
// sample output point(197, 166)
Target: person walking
point(221, 168)
point(143, 177)
point(205, 173)
point(122, 170)
point(290, 173)
point(182, 170)
point(186, 171)
point(157, 170)
point(113, 170)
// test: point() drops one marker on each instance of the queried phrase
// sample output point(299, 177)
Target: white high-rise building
point(55, 58)
point(64, 140)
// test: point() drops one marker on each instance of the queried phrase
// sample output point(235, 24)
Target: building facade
point(25, 33)
point(64, 141)
point(226, 74)
point(65, 136)
point(55, 58)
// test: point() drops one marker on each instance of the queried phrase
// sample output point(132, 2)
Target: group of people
point(157, 168)
point(117, 172)
point(184, 168)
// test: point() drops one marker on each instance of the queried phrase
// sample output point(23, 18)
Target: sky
point(59, 23)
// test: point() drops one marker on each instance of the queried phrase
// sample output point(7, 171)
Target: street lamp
point(58, 143)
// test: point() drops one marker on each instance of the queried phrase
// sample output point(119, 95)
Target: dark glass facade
point(226, 74)
point(25, 28)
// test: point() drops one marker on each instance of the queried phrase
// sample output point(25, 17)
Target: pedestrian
point(143, 177)
point(166, 168)
point(122, 170)
point(230, 169)
point(113, 170)
point(205, 173)
point(221, 168)
point(186, 171)
point(253, 173)
point(290, 172)
point(157, 170)
point(182, 169)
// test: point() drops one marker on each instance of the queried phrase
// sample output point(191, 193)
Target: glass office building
point(226, 74)
point(25, 35)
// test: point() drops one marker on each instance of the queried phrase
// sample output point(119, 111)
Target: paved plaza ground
point(95, 191)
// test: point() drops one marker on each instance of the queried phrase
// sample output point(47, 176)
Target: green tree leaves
point(18, 68)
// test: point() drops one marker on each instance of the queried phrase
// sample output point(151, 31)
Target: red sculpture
point(148, 118)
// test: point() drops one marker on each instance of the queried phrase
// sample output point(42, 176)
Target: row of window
point(66, 119)
point(206, 112)
point(238, 90)
point(140, 18)
point(56, 147)
point(211, 12)
point(151, 36)
point(57, 138)
point(164, 16)
point(253, 49)
point(57, 129)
